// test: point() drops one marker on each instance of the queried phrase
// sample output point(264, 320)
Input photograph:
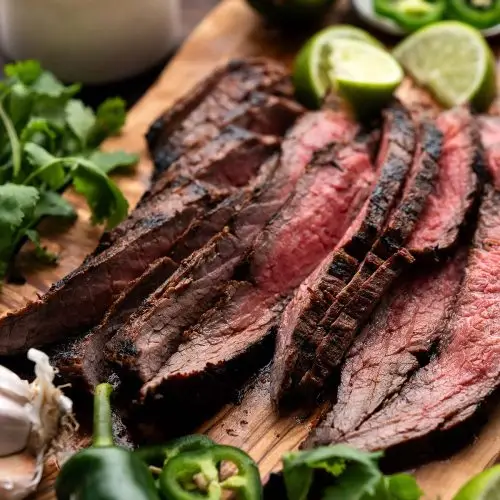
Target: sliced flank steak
point(311, 132)
point(288, 249)
point(333, 328)
point(405, 328)
point(297, 341)
point(231, 94)
point(81, 299)
point(456, 190)
point(450, 389)
point(400, 336)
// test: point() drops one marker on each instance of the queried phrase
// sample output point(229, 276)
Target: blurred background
point(130, 89)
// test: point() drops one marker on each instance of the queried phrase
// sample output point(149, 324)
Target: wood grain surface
point(231, 30)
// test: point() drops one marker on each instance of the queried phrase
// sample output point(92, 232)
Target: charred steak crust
point(394, 159)
point(403, 219)
point(225, 94)
point(457, 188)
point(339, 335)
point(417, 189)
point(398, 339)
point(81, 361)
point(81, 299)
point(297, 338)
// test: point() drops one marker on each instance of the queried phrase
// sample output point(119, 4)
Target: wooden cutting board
point(231, 30)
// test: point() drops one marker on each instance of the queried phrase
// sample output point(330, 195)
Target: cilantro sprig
point(48, 141)
point(342, 472)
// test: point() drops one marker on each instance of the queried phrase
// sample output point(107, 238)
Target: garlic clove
point(13, 386)
point(15, 425)
point(19, 475)
point(29, 423)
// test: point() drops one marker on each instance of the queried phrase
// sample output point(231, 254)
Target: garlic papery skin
point(30, 418)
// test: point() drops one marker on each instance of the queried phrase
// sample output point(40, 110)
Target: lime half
point(311, 76)
point(453, 61)
point(484, 486)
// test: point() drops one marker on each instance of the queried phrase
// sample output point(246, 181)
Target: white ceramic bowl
point(90, 41)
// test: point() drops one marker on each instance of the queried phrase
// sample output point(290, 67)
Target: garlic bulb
point(30, 418)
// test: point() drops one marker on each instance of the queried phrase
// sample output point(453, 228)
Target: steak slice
point(81, 299)
point(457, 381)
point(457, 188)
point(223, 97)
point(391, 347)
point(292, 244)
point(297, 341)
point(340, 333)
point(82, 360)
point(417, 189)
point(155, 331)
point(310, 132)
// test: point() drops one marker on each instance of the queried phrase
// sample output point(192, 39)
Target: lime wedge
point(484, 486)
point(453, 61)
point(365, 75)
point(310, 76)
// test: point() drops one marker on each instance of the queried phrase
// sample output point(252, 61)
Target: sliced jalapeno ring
point(411, 14)
point(195, 474)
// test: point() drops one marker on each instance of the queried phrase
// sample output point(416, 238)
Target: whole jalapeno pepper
point(411, 14)
point(105, 471)
point(191, 473)
point(481, 14)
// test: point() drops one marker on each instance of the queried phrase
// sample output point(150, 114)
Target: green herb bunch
point(49, 140)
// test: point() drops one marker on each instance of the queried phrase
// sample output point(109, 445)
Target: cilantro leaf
point(42, 254)
point(81, 119)
point(26, 72)
point(400, 487)
point(20, 103)
point(110, 118)
point(53, 204)
point(17, 205)
point(103, 196)
point(48, 85)
point(50, 169)
point(108, 162)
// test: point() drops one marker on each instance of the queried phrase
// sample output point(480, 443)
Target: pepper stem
point(103, 433)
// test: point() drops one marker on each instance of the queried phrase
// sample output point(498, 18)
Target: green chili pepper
point(411, 14)
point(196, 474)
point(105, 471)
point(481, 14)
point(158, 455)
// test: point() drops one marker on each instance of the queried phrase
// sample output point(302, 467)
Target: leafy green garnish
point(50, 140)
point(350, 475)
